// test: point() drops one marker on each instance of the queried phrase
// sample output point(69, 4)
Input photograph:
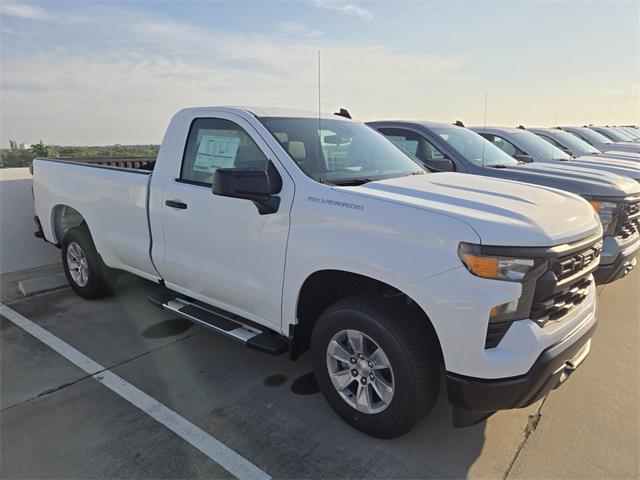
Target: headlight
point(496, 268)
point(606, 211)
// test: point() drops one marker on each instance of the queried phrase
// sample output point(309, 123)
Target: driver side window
point(217, 143)
point(551, 141)
point(418, 146)
point(504, 145)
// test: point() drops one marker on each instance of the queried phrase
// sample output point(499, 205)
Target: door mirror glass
point(258, 186)
point(523, 158)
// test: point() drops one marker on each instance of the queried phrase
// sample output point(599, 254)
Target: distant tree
point(41, 150)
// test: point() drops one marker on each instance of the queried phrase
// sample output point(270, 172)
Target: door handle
point(176, 204)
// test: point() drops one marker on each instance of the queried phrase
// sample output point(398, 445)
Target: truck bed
point(110, 194)
point(129, 163)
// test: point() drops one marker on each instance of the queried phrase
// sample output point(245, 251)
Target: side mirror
point(259, 186)
point(523, 158)
point(442, 165)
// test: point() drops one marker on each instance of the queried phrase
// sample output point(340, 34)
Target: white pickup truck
point(289, 231)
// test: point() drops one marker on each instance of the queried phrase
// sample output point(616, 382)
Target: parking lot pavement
point(592, 428)
point(58, 422)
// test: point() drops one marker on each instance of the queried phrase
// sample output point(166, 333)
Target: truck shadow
point(244, 398)
point(270, 410)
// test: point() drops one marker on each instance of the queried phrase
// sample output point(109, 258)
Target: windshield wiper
point(352, 182)
point(499, 166)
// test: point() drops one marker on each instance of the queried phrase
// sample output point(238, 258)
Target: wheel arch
point(325, 287)
point(64, 218)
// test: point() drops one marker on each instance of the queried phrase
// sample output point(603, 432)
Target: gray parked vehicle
point(444, 147)
point(614, 134)
point(633, 131)
point(600, 141)
point(573, 146)
point(524, 145)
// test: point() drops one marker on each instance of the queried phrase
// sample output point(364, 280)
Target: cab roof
point(418, 123)
point(494, 129)
point(270, 111)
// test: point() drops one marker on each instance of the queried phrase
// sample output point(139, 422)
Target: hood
point(621, 147)
point(626, 168)
point(620, 155)
point(575, 179)
point(502, 212)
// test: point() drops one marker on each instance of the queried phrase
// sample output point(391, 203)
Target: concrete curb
point(42, 284)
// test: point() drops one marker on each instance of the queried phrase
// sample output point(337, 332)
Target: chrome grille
point(629, 229)
point(560, 303)
point(631, 226)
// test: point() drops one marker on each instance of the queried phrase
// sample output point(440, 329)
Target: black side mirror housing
point(524, 158)
point(443, 165)
point(259, 186)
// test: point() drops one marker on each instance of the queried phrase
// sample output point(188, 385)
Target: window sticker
point(216, 152)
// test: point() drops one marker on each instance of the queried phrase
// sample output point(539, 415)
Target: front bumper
point(617, 259)
point(476, 398)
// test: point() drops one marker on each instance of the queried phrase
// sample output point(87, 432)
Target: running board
point(222, 322)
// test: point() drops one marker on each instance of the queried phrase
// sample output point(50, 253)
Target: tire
point(409, 347)
point(78, 248)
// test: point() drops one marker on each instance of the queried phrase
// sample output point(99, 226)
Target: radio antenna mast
point(319, 97)
point(484, 125)
point(319, 153)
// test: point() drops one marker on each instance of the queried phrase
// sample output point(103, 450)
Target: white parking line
point(212, 448)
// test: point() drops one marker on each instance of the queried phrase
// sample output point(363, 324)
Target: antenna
point(484, 125)
point(319, 152)
point(319, 97)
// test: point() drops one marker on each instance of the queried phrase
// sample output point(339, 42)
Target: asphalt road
point(58, 421)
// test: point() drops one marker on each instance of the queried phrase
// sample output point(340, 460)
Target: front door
point(222, 250)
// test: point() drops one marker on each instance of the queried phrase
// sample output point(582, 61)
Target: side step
point(222, 322)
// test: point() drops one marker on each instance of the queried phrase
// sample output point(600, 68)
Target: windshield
point(632, 132)
point(590, 136)
point(340, 152)
point(474, 147)
point(572, 143)
point(538, 148)
point(615, 135)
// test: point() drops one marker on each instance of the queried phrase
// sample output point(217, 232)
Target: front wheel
point(376, 364)
point(84, 269)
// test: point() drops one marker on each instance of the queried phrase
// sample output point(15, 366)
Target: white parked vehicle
point(283, 230)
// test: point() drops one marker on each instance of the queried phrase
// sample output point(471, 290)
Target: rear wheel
point(376, 364)
point(85, 272)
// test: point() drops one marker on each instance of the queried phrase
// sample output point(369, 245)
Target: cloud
point(20, 10)
point(346, 8)
point(24, 11)
point(119, 78)
point(297, 29)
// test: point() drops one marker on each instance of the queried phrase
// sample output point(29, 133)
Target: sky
point(94, 73)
